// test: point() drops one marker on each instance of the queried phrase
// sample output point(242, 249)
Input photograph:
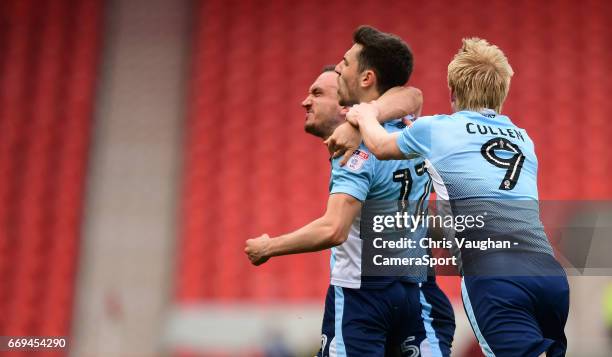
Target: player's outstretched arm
point(380, 143)
point(398, 102)
point(328, 231)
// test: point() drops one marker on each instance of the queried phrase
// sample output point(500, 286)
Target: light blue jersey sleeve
point(356, 177)
point(415, 140)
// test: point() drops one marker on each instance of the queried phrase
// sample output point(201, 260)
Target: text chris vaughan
point(461, 243)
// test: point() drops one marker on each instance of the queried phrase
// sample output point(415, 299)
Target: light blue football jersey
point(482, 162)
point(369, 179)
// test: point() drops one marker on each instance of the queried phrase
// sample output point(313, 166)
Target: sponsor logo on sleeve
point(357, 160)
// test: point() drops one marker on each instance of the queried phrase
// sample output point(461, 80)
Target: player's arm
point(325, 232)
point(398, 102)
point(395, 103)
point(380, 143)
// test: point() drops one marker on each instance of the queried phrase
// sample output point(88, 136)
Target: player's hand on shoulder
point(257, 249)
point(361, 111)
point(344, 141)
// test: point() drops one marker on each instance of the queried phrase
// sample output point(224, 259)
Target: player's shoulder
point(454, 118)
point(430, 120)
point(395, 125)
point(361, 161)
point(436, 117)
point(443, 122)
point(422, 125)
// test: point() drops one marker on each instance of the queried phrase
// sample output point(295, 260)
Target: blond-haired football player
point(514, 291)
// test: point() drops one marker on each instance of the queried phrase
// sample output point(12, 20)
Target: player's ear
point(453, 96)
point(368, 78)
point(453, 100)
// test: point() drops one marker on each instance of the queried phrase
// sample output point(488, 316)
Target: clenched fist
point(257, 249)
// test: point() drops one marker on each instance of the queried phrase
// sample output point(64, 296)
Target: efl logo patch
point(357, 160)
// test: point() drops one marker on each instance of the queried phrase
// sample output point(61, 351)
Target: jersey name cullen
point(473, 128)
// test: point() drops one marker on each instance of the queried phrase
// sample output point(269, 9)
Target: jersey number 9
point(513, 164)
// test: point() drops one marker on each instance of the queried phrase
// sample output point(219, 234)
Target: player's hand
point(257, 249)
point(361, 111)
point(343, 142)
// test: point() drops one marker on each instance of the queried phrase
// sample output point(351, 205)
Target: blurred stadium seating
point(49, 54)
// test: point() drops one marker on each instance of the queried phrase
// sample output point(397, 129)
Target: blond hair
point(479, 75)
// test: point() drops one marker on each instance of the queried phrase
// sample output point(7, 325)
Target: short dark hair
point(386, 54)
point(328, 68)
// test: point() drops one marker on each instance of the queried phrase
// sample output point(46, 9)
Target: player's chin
point(345, 101)
point(310, 127)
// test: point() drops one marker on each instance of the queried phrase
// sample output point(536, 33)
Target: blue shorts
point(438, 318)
point(518, 315)
point(385, 322)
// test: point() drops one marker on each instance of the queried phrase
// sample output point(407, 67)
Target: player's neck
point(369, 95)
point(329, 133)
